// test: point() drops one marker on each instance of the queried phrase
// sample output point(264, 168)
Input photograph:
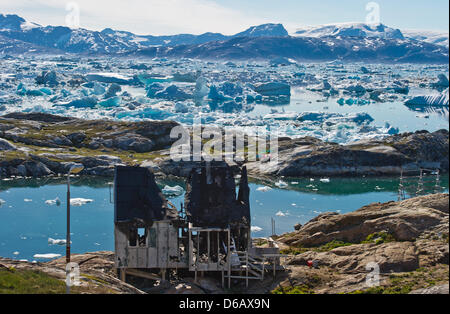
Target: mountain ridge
point(345, 41)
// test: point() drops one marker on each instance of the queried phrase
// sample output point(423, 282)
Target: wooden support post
point(246, 269)
point(229, 260)
point(223, 278)
point(208, 243)
point(274, 269)
point(123, 274)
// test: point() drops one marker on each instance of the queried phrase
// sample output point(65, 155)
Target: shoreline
point(411, 256)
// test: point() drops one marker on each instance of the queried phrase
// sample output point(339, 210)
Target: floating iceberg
point(281, 184)
point(256, 229)
point(56, 202)
point(109, 78)
point(435, 100)
point(57, 241)
point(80, 201)
point(273, 89)
point(46, 256)
point(264, 189)
point(173, 191)
point(2, 202)
point(85, 102)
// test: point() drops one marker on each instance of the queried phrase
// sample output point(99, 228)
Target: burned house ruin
point(210, 233)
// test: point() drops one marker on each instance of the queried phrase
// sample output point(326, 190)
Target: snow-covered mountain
point(265, 30)
point(350, 30)
point(432, 37)
point(349, 42)
point(365, 30)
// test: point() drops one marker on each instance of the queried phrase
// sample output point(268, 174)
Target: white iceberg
point(256, 229)
point(325, 180)
point(440, 100)
point(2, 202)
point(57, 241)
point(173, 191)
point(56, 202)
point(280, 214)
point(264, 189)
point(46, 256)
point(80, 201)
point(281, 184)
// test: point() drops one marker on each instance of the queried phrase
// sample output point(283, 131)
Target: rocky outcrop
point(415, 254)
point(45, 144)
point(312, 157)
point(442, 289)
point(405, 221)
point(96, 269)
point(391, 257)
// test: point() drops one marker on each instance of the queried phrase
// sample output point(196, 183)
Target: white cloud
point(139, 16)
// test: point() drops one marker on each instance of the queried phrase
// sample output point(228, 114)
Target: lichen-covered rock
point(405, 221)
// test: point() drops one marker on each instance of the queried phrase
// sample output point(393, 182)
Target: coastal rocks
point(105, 140)
point(37, 169)
point(135, 143)
point(405, 221)
point(390, 257)
point(303, 157)
point(442, 289)
point(5, 145)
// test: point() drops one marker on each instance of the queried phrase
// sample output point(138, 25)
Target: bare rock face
point(405, 221)
point(307, 156)
point(442, 289)
point(391, 257)
point(5, 145)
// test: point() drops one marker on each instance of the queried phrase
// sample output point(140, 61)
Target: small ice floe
point(27, 200)
point(281, 184)
point(16, 253)
point(56, 202)
point(57, 241)
point(80, 201)
point(97, 244)
point(294, 183)
point(264, 189)
point(2, 202)
point(280, 214)
point(256, 229)
point(173, 190)
point(23, 260)
point(46, 256)
point(325, 180)
point(293, 204)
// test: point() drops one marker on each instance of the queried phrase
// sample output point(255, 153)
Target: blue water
point(27, 222)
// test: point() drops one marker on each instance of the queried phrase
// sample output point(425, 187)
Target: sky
point(163, 17)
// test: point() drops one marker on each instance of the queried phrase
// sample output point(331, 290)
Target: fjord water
point(27, 222)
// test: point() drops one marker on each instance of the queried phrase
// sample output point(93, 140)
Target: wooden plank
point(142, 274)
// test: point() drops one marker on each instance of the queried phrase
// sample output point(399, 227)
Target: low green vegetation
point(404, 283)
point(303, 289)
point(14, 281)
point(379, 238)
point(323, 248)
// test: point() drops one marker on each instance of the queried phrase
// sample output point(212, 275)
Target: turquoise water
point(27, 222)
point(404, 118)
